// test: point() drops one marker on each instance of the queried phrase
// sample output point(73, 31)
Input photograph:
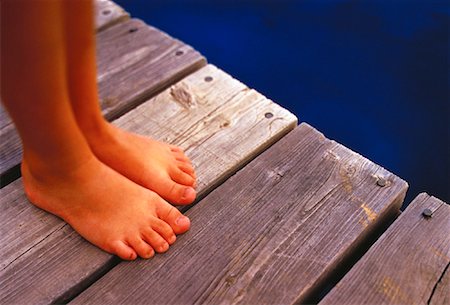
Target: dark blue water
point(372, 75)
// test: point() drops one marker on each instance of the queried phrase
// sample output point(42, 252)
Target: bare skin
point(107, 209)
point(155, 165)
point(70, 166)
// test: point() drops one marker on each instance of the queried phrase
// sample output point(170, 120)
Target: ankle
point(48, 170)
point(94, 128)
point(101, 136)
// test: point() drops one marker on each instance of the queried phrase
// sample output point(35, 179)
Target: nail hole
point(178, 53)
point(106, 12)
point(208, 79)
point(268, 115)
point(132, 30)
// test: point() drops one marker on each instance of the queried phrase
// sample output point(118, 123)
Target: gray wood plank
point(405, 265)
point(40, 266)
point(108, 13)
point(10, 149)
point(219, 122)
point(135, 61)
point(441, 295)
point(270, 234)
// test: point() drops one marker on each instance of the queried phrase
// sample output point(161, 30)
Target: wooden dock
point(284, 215)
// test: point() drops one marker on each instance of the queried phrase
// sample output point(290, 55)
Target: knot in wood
point(275, 174)
point(230, 280)
point(225, 124)
point(182, 94)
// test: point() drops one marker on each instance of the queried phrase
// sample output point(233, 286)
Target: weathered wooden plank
point(39, 280)
point(441, 295)
point(21, 224)
point(218, 121)
point(10, 149)
point(108, 13)
point(404, 266)
point(270, 234)
point(135, 61)
point(210, 119)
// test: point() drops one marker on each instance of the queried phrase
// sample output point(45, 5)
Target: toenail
point(163, 247)
point(172, 239)
point(182, 220)
point(188, 193)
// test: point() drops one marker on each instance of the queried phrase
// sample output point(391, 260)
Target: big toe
point(175, 192)
point(179, 223)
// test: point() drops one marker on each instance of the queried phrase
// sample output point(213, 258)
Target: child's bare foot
point(106, 208)
point(158, 166)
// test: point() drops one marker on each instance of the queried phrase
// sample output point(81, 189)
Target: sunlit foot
point(107, 209)
point(160, 167)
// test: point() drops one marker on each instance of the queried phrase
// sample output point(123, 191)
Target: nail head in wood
point(106, 12)
point(208, 79)
point(381, 182)
point(427, 213)
point(132, 30)
point(268, 115)
point(179, 52)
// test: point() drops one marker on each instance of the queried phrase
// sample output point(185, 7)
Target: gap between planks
point(407, 265)
point(134, 62)
point(271, 234)
point(43, 260)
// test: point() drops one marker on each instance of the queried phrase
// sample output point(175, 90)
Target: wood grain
point(108, 13)
point(404, 266)
point(441, 295)
point(218, 121)
point(10, 149)
point(269, 235)
point(44, 261)
point(135, 61)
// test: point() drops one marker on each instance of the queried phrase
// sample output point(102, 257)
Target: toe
point(175, 148)
point(181, 177)
point(164, 230)
point(185, 167)
point(155, 240)
point(122, 250)
point(177, 193)
point(143, 249)
point(173, 217)
point(182, 158)
point(179, 155)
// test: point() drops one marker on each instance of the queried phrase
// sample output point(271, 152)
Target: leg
point(60, 173)
point(152, 164)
